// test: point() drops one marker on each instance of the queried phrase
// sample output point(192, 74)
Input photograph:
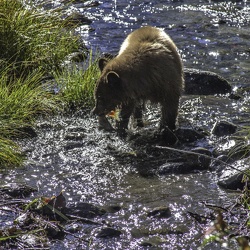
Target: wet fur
point(147, 68)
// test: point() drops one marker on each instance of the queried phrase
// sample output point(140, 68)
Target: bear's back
point(149, 65)
point(147, 36)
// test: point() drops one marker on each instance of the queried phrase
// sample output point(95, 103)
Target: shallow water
point(71, 153)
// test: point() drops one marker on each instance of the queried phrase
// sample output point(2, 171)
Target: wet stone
point(113, 208)
point(54, 231)
point(177, 168)
point(188, 134)
point(72, 144)
point(77, 56)
point(198, 82)
point(160, 212)
point(78, 18)
point(85, 210)
point(108, 232)
point(27, 132)
point(168, 137)
point(146, 244)
point(202, 158)
point(223, 128)
point(76, 136)
point(217, 164)
point(17, 190)
point(83, 2)
point(231, 178)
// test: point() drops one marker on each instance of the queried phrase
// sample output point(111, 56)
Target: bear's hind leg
point(168, 117)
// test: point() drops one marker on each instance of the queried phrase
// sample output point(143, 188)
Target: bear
point(148, 67)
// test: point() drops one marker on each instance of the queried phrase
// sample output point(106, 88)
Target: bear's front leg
point(104, 123)
point(125, 113)
point(138, 115)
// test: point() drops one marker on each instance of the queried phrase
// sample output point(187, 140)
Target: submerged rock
point(231, 177)
point(85, 210)
point(223, 128)
point(108, 232)
point(179, 168)
point(188, 134)
point(78, 19)
point(17, 190)
point(198, 82)
point(160, 212)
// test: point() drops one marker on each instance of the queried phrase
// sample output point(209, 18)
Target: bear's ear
point(113, 79)
point(102, 63)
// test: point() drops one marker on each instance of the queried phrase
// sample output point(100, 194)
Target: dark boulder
point(198, 82)
point(231, 177)
point(83, 209)
point(160, 212)
point(188, 134)
point(223, 128)
point(108, 232)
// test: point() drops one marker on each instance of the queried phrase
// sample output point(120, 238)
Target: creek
point(100, 168)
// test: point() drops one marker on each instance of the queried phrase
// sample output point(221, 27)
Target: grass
point(34, 44)
point(77, 85)
point(21, 101)
point(32, 39)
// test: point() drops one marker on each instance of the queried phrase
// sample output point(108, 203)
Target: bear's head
point(108, 90)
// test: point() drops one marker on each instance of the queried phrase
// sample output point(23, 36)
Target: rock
point(223, 128)
point(54, 231)
point(198, 82)
point(85, 210)
point(146, 244)
point(189, 163)
point(178, 168)
point(160, 212)
point(188, 135)
point(78, 19)
point(201, 160)
point(113, 208)
point(79, 56)
point(73, 144)
point(231, 178)
point(17, 190)
point(108, 232)
point(74, 136)
point(26, 132)
point(217, 164)
point(167, 137)
point(84, 3)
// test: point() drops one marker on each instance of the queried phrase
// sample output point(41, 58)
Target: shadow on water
point(100, 168)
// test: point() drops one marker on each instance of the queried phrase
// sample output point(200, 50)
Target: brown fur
point(148, 67)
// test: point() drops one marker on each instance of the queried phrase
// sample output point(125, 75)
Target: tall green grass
point(21, 101)
point(33, 44)
point(77, 85)
point(32, 38)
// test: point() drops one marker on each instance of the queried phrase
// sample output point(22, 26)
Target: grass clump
point(21, 101)
point(32, 38)
point(34, 44)
point(77, 85)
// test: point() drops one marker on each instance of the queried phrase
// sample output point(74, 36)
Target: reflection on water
point(70, 153)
